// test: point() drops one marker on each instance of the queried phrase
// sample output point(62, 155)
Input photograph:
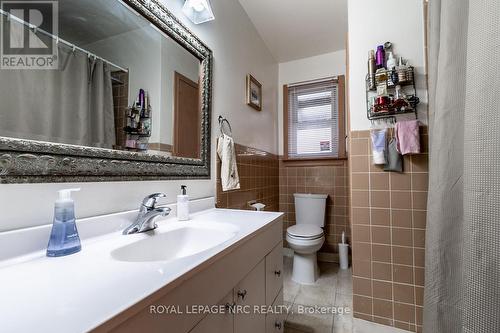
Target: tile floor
point(333, 289)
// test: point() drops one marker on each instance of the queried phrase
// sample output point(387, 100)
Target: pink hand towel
point(408, 137)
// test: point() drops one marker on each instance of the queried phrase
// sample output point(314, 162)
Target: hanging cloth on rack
point(229, 169)
point(408, 137)
point(394, 160)
point(378, 137)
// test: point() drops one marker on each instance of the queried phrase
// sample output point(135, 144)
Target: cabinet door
point(220, 323)
point(275, 322)
point(250, 292)
point(274, 273)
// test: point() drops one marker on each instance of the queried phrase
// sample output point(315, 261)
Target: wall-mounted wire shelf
point(405, 79)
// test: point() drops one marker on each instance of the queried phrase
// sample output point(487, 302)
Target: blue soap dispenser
point(64, 239)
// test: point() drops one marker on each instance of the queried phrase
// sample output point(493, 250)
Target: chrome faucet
point(147, 213)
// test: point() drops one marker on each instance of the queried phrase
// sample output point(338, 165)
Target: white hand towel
point(229, 170)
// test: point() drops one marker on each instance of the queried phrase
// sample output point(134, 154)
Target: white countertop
point(79, 292)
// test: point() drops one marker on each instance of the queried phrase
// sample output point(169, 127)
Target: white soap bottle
point(183, 205)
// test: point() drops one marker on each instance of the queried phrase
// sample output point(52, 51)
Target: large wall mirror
point(116, 90)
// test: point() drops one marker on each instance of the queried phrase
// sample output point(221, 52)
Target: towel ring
point(222, 122)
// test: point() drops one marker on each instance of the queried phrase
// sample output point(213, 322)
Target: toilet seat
point(304, 231)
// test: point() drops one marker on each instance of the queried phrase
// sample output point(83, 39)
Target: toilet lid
point(305, 231)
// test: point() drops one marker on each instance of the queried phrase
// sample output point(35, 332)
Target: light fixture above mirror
point(198, 11)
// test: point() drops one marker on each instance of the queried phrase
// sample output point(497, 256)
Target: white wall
point(238, 50)
point(317, 67)
point(372, 23)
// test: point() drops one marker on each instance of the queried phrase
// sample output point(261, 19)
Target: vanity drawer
point(274, 273)
point(275, 322)
point(220, 323)
point(248, 293)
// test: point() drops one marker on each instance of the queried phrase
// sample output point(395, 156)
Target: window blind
point(313, 120)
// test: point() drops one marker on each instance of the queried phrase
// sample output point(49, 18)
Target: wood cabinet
point(220, 323)
point(250, 298)
point(274, 273)
point(275, 322)
point(250, 292)
point(248, 274)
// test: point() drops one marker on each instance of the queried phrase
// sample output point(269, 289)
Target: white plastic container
point(391, 62)
point(344, 255)
point(183, 205)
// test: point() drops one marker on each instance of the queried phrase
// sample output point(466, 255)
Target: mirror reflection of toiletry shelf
point(137, 150)
point(142, 135)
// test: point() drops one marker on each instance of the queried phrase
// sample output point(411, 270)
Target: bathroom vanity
point(171, 279)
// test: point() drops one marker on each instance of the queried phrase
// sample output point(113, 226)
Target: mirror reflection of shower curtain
point(72, 105)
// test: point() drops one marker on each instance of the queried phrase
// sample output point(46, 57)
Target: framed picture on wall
point(254, 93)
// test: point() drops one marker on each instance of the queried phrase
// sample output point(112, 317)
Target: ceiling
point(294, 29)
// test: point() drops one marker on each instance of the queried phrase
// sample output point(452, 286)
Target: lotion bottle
point(64, 239)
point(183, 205)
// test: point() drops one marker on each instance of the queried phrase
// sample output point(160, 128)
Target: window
point(314, 114)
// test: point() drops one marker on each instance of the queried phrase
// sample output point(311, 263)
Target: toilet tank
point(310, 208)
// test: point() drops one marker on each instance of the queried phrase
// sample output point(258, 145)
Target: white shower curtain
point(72, 105)
point(462, 287)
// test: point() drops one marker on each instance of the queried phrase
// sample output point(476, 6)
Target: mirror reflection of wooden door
point(186, 117)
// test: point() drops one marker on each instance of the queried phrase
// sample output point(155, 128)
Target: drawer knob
point(277, 273)
point(242, 294)
point(278, 325)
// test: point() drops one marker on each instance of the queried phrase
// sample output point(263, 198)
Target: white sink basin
point(176, 243)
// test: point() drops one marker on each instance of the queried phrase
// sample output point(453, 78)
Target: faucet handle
point(150, 200)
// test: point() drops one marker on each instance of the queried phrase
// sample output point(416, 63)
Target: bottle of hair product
point(380, 57)
point(391, 67)
point(372, 67)
point(391, 61)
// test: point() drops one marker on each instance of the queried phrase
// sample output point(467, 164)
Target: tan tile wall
point(388, 233)
point(327, 179)
point(258, 171)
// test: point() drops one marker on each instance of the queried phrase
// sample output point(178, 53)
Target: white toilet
point(306, 237)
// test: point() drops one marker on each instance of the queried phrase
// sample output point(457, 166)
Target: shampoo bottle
point(64, 239)
point(380, 56)
point(183, 205)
